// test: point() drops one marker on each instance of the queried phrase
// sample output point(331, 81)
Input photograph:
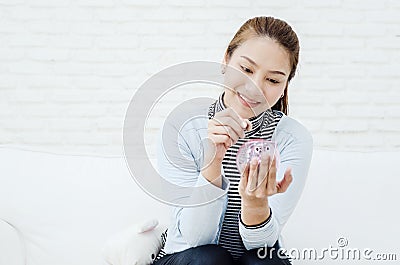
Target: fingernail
point(244, 124)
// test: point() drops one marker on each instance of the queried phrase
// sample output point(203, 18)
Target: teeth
point(248, 100)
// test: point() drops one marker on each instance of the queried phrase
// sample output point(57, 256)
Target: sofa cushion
point(11, 248)
point(66, 206)
point(348, 195)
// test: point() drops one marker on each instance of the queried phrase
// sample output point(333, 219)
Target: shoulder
point(289, 127)
point(190, 115)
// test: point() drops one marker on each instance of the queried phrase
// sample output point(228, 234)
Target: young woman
point(256, 204)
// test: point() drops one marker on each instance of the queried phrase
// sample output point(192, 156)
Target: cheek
point(273, 93)
point(233, 79)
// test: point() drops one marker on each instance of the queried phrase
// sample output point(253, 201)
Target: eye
point(272, 81)
point(245, 69)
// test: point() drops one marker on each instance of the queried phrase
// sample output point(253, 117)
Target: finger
point(232, 113)
point(221, 139)
point(271, 185)
point(227, 120)
point(263, 171)
point(249, 125)
point(244, 178)
point(235, 125)
point(283, 185)
point(252, 179)
point(227, 130)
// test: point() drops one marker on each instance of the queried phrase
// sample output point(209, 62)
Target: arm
point(198, 225)
point(295, 144)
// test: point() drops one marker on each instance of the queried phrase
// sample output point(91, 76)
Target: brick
point(365, 140)
point(24, 124)
point(325, 56)
point(49, 3)
point(70, 68)
point(185, 29)
point(182, 3)
point(319, 29)
point(320, 111)
point(11, 2)
point(341, 15)
point(93, 28)
point(345, 70)
point(75, 14)
point(11, 54)
point(312, 44)
point(25, 40)
point(49, 28)
point(27, 67)
point(363, 30)
point(119, 14)
point(386, 124)
point(326, 140)
point(392, 111)
point(12, 27)
point(346, 125)
point(93, 55)
point(153, 3)
point(383, 70)
point(392, 140)
point(363, 110)
point(342, 43)
point(74, 41)
point(366, 5)
point(42, 54)
point(318, 4)
point(117, 42)
point(96, 3)
point(29, 13)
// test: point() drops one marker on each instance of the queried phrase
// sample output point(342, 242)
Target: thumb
point(285, 182)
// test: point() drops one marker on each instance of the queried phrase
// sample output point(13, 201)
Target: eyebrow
point(254, 63)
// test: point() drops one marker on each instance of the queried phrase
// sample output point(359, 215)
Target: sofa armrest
point(137, 244)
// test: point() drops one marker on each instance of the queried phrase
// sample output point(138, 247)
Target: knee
point(212, 255)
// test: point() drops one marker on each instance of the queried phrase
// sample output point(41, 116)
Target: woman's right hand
point(223, 131)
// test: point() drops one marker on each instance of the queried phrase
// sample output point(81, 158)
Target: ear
point(226, 58)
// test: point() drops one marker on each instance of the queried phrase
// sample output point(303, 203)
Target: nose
point(254, 88)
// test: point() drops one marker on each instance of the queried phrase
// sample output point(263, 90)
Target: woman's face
point(256, 76)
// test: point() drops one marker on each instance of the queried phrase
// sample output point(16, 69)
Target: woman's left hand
point(259, 181)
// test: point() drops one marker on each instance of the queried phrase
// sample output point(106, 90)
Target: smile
point(247, 102)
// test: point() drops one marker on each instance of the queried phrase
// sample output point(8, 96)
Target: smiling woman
point(258, 65)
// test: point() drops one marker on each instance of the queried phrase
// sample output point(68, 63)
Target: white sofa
point(63, 209)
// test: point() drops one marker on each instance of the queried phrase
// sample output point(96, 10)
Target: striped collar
point(264, 118)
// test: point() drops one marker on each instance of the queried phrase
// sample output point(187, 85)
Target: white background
point(69, 68)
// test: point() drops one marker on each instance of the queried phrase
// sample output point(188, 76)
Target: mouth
point(246, 101)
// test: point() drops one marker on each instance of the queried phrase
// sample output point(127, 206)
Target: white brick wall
point(69, 68)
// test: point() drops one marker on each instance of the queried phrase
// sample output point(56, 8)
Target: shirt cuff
point(203, 181)
point(260, 235)
point(257, 225)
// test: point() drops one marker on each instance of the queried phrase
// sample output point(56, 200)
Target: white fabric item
point(138, 244)
point(65, 207)
point(62, 209)
point(11, 247)
point(353, 195)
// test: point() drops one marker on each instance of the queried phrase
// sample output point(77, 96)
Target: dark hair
point(277, 30)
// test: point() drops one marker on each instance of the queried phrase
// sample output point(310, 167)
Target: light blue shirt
point(195, 226)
